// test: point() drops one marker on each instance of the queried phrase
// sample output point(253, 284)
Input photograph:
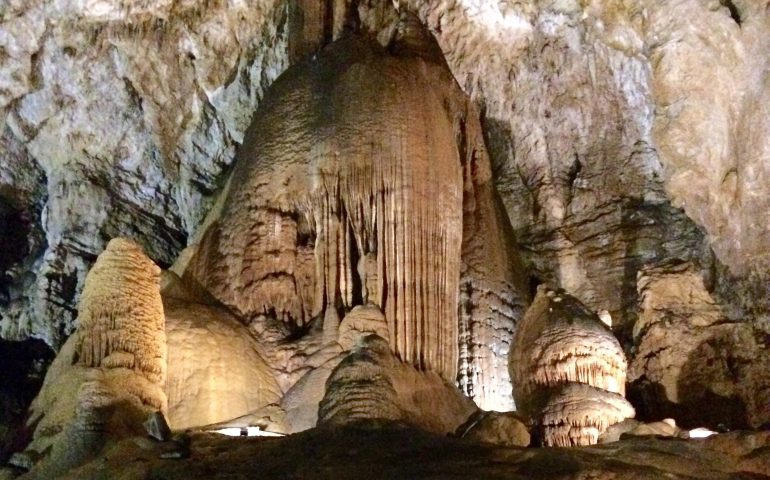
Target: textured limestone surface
point(110, 374)
point(372, 384)
point(691, 355)
point(116, 119)
point(337, 201)
point(215, 371)
point(568, 371)
point(506, 429)
point(576, 414)
point(620, 134)
point(361, 321)
point(600, 118)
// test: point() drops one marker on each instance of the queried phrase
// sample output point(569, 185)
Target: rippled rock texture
point(111, 372)
point(601, 119)
point(117, 119)
point(364, 180)
point(693, 362)
point(622, 138)
point(568, 371)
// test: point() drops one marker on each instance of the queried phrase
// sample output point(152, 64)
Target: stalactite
point(492, 295)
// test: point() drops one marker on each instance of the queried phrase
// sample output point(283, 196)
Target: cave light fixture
point(246, 432)
point(701, 433)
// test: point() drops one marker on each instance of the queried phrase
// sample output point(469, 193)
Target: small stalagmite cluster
point(568, 371)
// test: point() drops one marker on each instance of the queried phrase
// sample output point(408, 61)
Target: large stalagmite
point(351, 188)
point(121, 314)
point(568, 371)
point(110, 374)
point(371, 384)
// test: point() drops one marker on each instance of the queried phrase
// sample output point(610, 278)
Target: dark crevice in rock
point(734, 12)
point(22, 369)
point(15, 228)
point(574, 172)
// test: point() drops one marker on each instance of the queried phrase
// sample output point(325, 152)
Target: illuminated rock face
point(110, 374)
point(364, 179)
point(121, 314)
point(568, 371)
point(576, 414)
point(215, 371)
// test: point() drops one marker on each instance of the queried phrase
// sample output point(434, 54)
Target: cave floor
point(393, 451)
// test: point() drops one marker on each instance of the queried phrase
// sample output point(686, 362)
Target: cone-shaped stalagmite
point(110, 373)
point(568, 371)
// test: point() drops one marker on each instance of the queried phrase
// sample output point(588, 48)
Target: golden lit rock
point(568, 371)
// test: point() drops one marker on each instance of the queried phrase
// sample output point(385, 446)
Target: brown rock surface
point(388, 452)
point(506, 429)
point(691, 355)
point(568, 371)
point(362, 321)
point(577, 414)
point(372, 384)
point(560, 341)
point(118, 119)
point(215, 370)
point(336, 202)
point(110, 374)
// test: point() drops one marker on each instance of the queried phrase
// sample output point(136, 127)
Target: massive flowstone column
point(351, 189)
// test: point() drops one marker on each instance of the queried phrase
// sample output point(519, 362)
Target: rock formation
point(372, 384)
point(568, 371)
point(361, 321)
point(118, 120)
point(577, 414)
point(690, 353)
point(215, 371)
point(415, 175)
point(336, 202)
point(110, 374)
point(506, 429)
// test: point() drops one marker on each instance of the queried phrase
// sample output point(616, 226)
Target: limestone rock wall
point(117, 118)
point(599, 118)
point(693, 362)
point(602, 118)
